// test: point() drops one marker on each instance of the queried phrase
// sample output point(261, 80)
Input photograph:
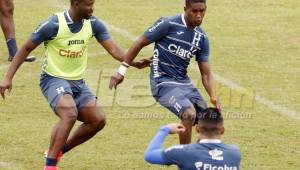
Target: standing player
point(208, 153)
point(8, 28)
point(177, 39)
point(66, 36)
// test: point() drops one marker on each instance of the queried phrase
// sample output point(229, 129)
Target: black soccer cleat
point(28, 59)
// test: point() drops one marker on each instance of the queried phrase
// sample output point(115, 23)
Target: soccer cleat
point(50, 168)
point(28, 59)
point(60, 154)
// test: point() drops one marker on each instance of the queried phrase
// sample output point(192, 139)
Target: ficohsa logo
point(204, 166)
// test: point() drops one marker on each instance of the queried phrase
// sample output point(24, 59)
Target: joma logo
point(72, 42)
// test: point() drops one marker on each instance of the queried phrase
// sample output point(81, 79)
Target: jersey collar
point(69, 18)
point(210, 141)
point(183, 20)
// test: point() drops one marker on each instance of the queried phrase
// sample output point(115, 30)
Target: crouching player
point(207, 154)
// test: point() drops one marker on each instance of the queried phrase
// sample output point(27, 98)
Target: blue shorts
point(177, 97)
point(53, 88)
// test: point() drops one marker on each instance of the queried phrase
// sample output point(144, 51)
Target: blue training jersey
point(175, 45)
point(204, 156)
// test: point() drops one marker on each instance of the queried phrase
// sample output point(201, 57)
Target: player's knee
point(189, 115)
point(66, 109)
point(69, 116)
point(9, 10)
point(99, 124)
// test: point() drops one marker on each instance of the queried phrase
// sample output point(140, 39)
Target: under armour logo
point(180, 32)
point(60, 90)
point(216, 154)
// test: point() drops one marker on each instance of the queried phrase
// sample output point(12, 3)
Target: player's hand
point(216, 103)
point(176, 128)
point(5, 87)
point(142, 63)
point(115, 80)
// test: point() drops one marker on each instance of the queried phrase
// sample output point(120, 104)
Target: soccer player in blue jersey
point(208, 153)
point(177, 39)
point(8, 28)
point(66, 36)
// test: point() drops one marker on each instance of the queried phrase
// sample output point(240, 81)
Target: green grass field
point(254, 55)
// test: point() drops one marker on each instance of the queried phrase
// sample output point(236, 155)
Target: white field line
point(122, 32)
point(270, 104)
point(126, 34)
point(96, 54)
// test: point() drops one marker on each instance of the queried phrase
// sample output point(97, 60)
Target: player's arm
point(118, 53)
point(135, 49)
point(156, 32)
point(128, 61)
point(113, 49)
point(206, 75)
point(101, 34)
point(19, 58)
point(208, 82)
point(45, 31)
point(155, 153)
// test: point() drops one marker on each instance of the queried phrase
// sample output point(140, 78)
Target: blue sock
point(12, 46)
point(51, 162)
point(65, 149)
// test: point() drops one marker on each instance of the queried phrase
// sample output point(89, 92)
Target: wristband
point(122, 70)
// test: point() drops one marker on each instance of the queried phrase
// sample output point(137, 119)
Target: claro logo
point(71, 54)
point(181, 52)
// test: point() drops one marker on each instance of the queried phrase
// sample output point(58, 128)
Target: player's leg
point(59, 95)
point(8, 28)
point(67, 112)
point(189, 117)
point(53, 133)
point(89, 112)
point(6, 19)
point(93, 119)
point(180, 100)
point(174, 98)
point(7, 25)
point(188, 120)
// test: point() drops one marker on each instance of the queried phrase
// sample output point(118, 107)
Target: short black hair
point(72, 1)
point(188, 2)
point(210, 115)
point(210, 120)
